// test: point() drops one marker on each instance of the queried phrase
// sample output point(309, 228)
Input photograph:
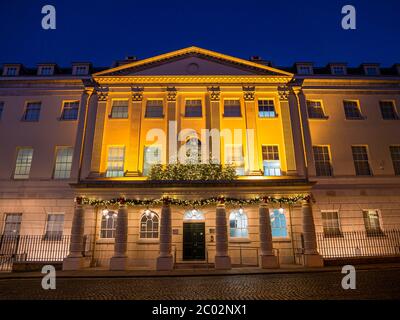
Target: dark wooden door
point(194, 241)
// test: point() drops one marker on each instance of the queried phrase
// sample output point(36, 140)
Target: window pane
point(371, 71)
point(55, 226)
point(149, 225)
point(330, 223)
point(62, 169)
point(395, 154)
point(12, 224)
point(234, 157)
point(232, 108)
point(351, 110)
point(271, 162)
point(119, 109)
point(193, 108)
point(305, 70)
point(266, 109)
point(238, 224)
point(322, 161)
point(338, 70)
point(70, 110)
point(314, 109)
point(1, 108)
point(152, 156)
point(108, 224)
point(278, 224)
point(361, 164)
point(387, 110)
point(154, 109)
point(32, 112)
point(115, 164)
point(23, 163)
point(371, 221)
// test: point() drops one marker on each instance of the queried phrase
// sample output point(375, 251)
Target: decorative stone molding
point(102, 94)
point(214, 92)
point(248, 93)
point(137, 93)
point(171, 94)
point(283, 92)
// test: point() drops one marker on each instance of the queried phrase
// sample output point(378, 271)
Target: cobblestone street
point(371, 284)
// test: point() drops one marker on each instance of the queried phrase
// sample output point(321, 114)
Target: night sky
point(280, 31)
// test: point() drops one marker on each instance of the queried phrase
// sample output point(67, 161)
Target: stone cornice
point(205, 80)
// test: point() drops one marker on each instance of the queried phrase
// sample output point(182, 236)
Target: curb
point(99, 274)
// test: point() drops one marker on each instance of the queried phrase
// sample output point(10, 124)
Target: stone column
point(75, 260)
point(133, 149)
point(213, 121)
point(284, 94)
point(311, 256)
point(81, 134)
point(173, 125)
point(120, 258)
point(268, 259)
point(222, 259)
point(308, 151)
point(165, 260)
point(253, 165)
point(95, 145)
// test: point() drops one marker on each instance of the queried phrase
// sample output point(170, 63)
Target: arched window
point(108, 224)
point(193, 150)
point(238, 224)
point(193, 215)
point(278, 223)
point(149, 225)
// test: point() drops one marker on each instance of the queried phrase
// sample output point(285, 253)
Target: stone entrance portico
point(219, 245)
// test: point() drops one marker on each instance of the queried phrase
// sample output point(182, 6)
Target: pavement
point(372, 282)
point(195, 272)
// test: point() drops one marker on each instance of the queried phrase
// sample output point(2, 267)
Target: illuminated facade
point(332, 133)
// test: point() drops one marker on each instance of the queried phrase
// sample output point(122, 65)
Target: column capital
point(171, 94)
point(214, 93)
point(137, 93)
point(284, 92)
point(102, 94)
point(308, 200)
point(248, 93)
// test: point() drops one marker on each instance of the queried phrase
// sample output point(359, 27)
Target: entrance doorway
point(194, 241)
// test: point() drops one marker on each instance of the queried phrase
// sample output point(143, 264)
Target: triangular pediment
point(192, 61)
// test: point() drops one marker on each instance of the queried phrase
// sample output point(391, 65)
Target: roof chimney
point(260, 60)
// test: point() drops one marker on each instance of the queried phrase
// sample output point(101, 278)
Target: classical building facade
point(318, 159)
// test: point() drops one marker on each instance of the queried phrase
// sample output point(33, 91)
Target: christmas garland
point(194, 203)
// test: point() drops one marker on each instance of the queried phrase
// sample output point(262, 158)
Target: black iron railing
point(359, 244)
point(35, 248)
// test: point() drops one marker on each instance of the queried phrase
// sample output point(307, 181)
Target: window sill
point(105, 240)
point(113, 118)
point(67, 120)
point(232, 117)
point(322, 118)
point(239, 240)
point(279, 239)
point(154, 118)
point(148, 241)
point(356, 119)
point(269, 118)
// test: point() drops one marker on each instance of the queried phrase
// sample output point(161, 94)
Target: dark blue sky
point(280, 31)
